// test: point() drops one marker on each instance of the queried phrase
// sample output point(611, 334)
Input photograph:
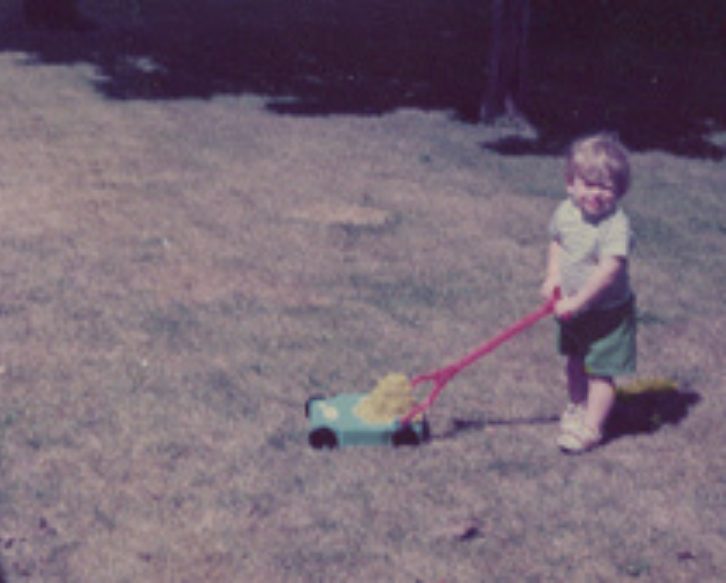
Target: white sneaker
point(579, 438)
point(571, 417)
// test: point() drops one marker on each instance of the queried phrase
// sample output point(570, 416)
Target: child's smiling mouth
point(593, 205)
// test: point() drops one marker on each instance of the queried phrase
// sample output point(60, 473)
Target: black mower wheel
point(407, 436)
point(323, 437)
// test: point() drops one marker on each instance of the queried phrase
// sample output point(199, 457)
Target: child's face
point(595, 201)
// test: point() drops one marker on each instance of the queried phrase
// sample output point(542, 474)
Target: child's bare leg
point(600, 401)
point(577, 381)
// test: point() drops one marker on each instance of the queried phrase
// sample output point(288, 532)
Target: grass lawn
point(179, 276)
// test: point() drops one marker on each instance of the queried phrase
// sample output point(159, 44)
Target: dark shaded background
point(650, 70)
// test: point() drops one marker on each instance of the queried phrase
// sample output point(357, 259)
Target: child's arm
point(604, 276)
point(552, 275)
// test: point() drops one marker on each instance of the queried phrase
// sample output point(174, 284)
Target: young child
point(588, 263)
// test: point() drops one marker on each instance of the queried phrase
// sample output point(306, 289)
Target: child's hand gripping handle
point(443, 375)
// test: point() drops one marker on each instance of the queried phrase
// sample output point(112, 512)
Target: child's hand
point(550, 287)
point(567, 308)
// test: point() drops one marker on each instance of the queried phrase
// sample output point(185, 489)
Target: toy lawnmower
point(388, 415)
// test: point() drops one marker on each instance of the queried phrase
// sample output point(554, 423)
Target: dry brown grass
point(178, 277)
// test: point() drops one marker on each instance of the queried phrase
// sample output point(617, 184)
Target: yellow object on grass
point(391, 398)
point(647, 385)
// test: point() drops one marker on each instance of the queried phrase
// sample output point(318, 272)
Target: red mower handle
point(442, 376)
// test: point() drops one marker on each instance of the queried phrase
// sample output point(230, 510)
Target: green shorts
point(605, 339)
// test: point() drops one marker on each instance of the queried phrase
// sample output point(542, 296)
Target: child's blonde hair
point(599, 159)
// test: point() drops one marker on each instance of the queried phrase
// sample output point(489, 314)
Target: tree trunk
point(507, 58)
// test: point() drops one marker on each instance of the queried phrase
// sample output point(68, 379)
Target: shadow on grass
point(316, 57)
point(458, 426)
point(649, 411)
point(633, 414)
